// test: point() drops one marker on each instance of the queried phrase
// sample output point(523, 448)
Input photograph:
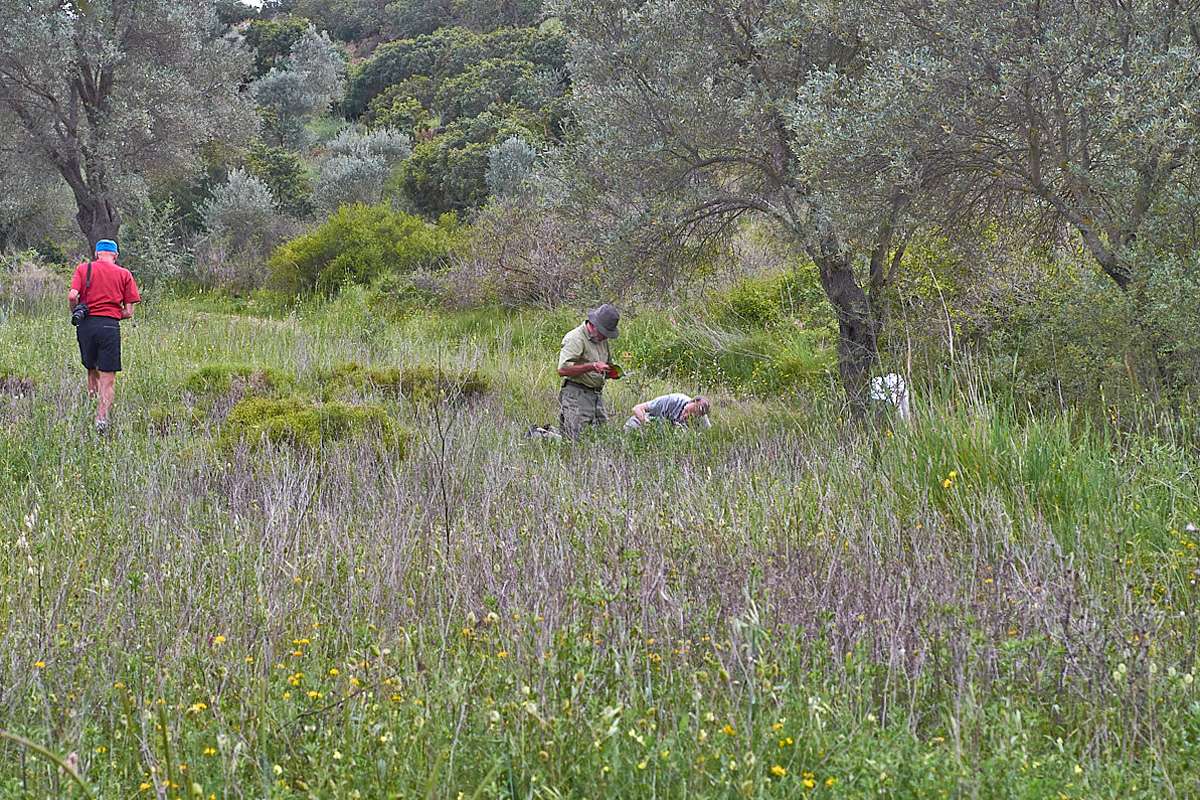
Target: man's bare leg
point(108, 387)
point(93, 383)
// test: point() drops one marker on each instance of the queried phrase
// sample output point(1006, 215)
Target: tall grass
point(982, 603)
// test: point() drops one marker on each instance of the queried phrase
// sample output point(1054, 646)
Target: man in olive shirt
point(583, 364)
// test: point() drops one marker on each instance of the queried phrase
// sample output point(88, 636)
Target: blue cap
point(106, 246)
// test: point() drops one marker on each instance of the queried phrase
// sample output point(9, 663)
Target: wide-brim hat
point(605, 318)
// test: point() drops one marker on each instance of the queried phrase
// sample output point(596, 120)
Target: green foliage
point(178, 87)
point(344, 20)
point(226, 378)
point(410, 18)
point(358, 243)
point(764, 363)
point(449, 52)
point(1169, 299)
point(153, 246)
point(449, 172)
point(398, 111)
point(490, 82)
point(284, 175)
point(272, 40)
point(773, 300)
point(419, 383)
point(300, 423)
point(301, 88)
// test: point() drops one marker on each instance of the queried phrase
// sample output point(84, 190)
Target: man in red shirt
point(109, 292)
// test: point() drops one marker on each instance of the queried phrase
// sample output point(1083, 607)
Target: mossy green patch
point(219, 379)
point(419, 383)
point(292, 420)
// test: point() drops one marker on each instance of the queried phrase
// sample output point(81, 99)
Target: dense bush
point(449, 173)
point(403, 106)
point(519, 254)
point(358, 165)
point(703, 356)
point(283, 173)
point(491, 82)
point(343, 180)
point(510, 164)
point(378, 142)
point(242, 227)
point(448, 52)
point(153, 246)
point(356, 244)
point(272, 40)
point(773, 299)
point(301, 89)
point(410, 18)
point(1170, 306)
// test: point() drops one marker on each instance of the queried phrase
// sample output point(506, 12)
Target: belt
point(567, 382)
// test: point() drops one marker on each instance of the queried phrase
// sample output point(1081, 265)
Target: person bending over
point(679, 409)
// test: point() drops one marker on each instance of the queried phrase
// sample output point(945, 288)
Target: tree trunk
point(858, 328)
point(98, 219)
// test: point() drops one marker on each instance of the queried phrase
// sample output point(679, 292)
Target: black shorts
point(100, 343)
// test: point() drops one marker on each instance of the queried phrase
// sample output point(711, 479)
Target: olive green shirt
point(578, 348)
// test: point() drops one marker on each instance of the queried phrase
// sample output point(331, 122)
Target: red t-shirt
point(111, 286)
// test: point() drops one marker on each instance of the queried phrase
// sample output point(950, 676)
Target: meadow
point(373, 591)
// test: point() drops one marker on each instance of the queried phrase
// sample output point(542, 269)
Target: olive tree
point(1072, 116)
point(302, 88)
point(111, 90)
point(694, 113)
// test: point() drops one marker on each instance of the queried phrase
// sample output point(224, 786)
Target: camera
point(79, 313)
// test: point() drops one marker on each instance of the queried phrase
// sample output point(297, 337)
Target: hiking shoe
point(102, 426)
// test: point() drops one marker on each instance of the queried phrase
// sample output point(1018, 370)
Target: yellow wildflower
point(39, 664)
point(778, 771)
point(219, 639)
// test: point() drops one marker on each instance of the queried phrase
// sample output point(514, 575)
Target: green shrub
point(756, 362)
point(773, 299)
point(419, 383)
point(221, 379)
point(298, 422)
point(449, 172)
point(285, 177)
point(357, 244)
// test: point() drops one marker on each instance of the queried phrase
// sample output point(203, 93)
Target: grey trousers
point(579, 406)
